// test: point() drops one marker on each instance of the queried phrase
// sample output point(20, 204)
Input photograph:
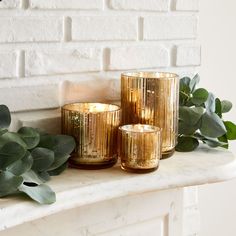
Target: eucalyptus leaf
point(59, 170)
point(190, 115)
point(62, 145)
point(3, 131)
point(186, 144)
point(58, 161)
point(213, 142)
point(30, 136)
point(199, 96)
point(185, 128)
point(9, 153)
point(42, 158)
point(41, 193)
point(185, 80)
point(210, 103)
point(194, 81)
point(231, 130)
point(211, 125)
point(224, 140)
point(9, 183)
point(31, 177)
point(44, 176)
point(218, 109)
point(21, 166)
point(5, 117)
point(226, 106)
point(14, 137)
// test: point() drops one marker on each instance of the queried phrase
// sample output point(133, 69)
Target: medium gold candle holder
point(94, 127)
point(139, 147)
point(152, 98)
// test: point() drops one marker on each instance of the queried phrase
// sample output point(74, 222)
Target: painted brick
point(104, 28)
point(25, 98)
point(170, 27)
point(187, 5)
point(47, 120)
point(188, 55)
point(96, 88)
point(150, 5)
point(66, 4)
point(62, 61)
point(8, 4)
point(30, 29)
point(8, 63)
point(123, 58)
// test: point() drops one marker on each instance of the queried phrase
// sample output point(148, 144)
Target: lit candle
point(94, 127)
point(139, 147)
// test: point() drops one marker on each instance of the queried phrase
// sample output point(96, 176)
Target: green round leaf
point(190, 115)
point(44, 176)
point(43, 158)
point(218, 109)
point(59, 170)
point(186, 144)
point(213, 142)
point(231, 130)
point(211, 125)
point(210, 103)
point(188, 129)
point(14, 137)
point(9, 183)
point(31, 177)
point(199, 96)
point(194, 81)
point(226, 106)
point(185, 80)
point(9, 153)
point(21, 166)
point(30, 136)
point(224, 139)
point(5, 117)
point(62, 145)
point(41, 193)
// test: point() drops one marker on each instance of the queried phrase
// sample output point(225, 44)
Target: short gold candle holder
point(94, 127)
point(139, 147)
point(152, 98)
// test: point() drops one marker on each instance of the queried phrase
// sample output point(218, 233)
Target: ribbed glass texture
point(94, 127)
point(139, 147)
point(152, 98)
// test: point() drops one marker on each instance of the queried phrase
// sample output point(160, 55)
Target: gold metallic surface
point(94, 127)
point(152, 98)
point(139, 147)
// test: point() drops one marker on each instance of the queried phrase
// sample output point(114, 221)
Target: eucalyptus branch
point(201, 118)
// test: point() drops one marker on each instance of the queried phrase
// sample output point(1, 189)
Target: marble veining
point(76, 187)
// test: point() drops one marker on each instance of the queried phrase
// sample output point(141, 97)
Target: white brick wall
point(46, 42)
point(104, 28)
point(8, 4)
point(124, 58)
point(66, 4)
point(141, 5)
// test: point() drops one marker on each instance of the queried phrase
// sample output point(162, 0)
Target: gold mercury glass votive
point(94, 127)
point(139, 147)
point(152, 98)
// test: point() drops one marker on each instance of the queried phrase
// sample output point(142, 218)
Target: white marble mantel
point(81, 188)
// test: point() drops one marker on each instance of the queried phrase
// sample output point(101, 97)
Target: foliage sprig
point(28, 158)
point(201, 117)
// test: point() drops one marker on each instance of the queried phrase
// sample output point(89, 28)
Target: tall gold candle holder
point(152, 98)
point(139, 147)
point(94, 127)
